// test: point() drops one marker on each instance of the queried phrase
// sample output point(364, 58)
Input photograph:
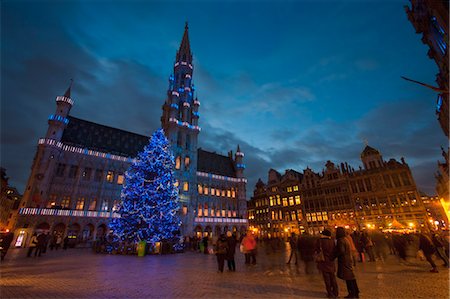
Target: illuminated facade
point(78, 170)
point(9, 203)
point(371, 197)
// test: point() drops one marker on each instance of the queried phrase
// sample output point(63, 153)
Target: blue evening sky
point(295, 83)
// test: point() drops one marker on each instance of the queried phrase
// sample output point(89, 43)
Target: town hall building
point(78, 170)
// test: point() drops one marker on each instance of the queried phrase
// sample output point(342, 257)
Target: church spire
point(184, 52)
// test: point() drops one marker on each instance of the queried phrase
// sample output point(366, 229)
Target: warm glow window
point(120, 179)
point(110, 176)
point(178, 162)
point(185, 186)
point(80, 203)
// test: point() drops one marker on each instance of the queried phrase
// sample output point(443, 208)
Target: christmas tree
point(148, 210)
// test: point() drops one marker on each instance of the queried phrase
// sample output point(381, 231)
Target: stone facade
point(371, 197)
point(78, 170)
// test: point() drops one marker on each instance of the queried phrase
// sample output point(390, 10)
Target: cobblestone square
point(79, 273)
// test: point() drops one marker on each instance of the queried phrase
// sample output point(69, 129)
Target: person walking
point(293, 240)
point(5, 243)
point(438, 243)
point(326, 248)
point(345, 264)
point(249, 244)
point(367, 244)
point(426, 245)
point(221, 251)
point(231, 250)
point(40, 244)
point(66, 242)
point(32, 245)
point(58, 242)
point(205, 244)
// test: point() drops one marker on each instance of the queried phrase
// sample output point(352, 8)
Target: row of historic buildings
point(78, 169)
point(431, 18)
point(375, 196)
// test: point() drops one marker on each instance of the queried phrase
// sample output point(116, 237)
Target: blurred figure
point(204, 245)
point(352, 248)
point(356, 237)
point(5, 243)
point(293, 240)
point(380, 245)
point(221, 251)
point(249, 244)
point(231, 250)
point(306, 246)
point(367, 245)
point(438, 243)
point(426, 245)
point(400, 243)
point(327, 267)
point(345, 264)
point(33, 245)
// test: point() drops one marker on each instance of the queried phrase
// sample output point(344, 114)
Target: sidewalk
point(79, 273)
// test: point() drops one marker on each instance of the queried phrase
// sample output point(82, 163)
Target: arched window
point(187, 162)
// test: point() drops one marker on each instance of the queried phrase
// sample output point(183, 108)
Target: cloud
point(366, 64)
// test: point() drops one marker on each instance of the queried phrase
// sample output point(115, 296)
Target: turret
point(371, 158)
point(58, 121)
point(238, 160)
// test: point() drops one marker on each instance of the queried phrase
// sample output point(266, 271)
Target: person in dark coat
point(205, 244)
point(5, 243)
point(40, 244)
point(328, 267)
point(293, 244)
point(231, 250)
point(306, 246)
point(345, 264)
point(426, 245)
point(221, 251)
point(438, 243)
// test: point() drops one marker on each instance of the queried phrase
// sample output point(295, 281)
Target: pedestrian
point(221, 251)
point(5, 243)
point(352, 248)
point(293, 244)
point(367, 244)
point(66, 242)
point(47, 240)
point(33, 244)
point(40, 244)
point(231, 250)
point(345, 264)
point(249, 244)
point(326, 248)
point(356, 236)
point(427, 247)
point(205, 244)
point(438, 243)
point(58, 242)
point(306, 246)
point(399, 241)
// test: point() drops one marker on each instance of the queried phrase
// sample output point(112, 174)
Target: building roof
point(93, 136)
point(369, 151)
point(216, 164)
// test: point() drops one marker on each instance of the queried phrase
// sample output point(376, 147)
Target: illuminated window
point(187, 162)
point(291, 200)
point(233, 193)
point(293, 216)
point(65, 202)
point(213, 191)
point(120, 179)
point(200, 211)
point(104, 205)
point(297, 199)
point(206, 190)
point(217, 213)
point(289, 189)
point(176, 184)
point(324, 216)
point(80, 203)
point(228, 193)
point(223, 193)
point(295, 188)
point(178, 162)
point(110, 176)
point(285, 202)
point(185, 210)
point(271, 200)
point(93, 204)
point(116, 205)
point(200, 188)
point(313, 217)
point(223, 213)
point(51, 201)
point(185, 186)
point(278, 200)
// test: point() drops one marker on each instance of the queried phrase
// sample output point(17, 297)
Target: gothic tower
point(180, 124)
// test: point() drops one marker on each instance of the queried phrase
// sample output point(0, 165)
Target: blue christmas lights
point(439, 104)
point(58, 118)
point(196, 114)
point(240, 165)
point(149, 206)
point(174, 106)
